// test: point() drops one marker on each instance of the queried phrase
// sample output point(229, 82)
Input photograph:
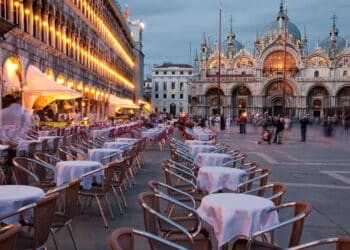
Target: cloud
point(174, 24)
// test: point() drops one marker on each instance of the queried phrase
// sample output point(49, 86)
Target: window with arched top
point(316, 74)
point(345, 73)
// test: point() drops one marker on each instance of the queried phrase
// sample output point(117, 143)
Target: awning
point(42, 91)
point(122, 102)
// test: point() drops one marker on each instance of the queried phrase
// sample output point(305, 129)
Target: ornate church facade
point(279, 77)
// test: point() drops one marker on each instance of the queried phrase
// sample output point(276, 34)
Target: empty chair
point(29, 171)
point(40, 228)
point(64, 218)
point(8, 236)
point(100, 191)
point(255, 178)
point(182, 231)
point(272, 191)
point(260, 240)
point(46, 158)
point(342, 243)
point(124, 239)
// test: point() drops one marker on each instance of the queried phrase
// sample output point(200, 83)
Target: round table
point(211, 159)
point(13, 197)
point(213, 179)
point(232, 214)
point(69, 170)
point(196, 149)
point(97, 154)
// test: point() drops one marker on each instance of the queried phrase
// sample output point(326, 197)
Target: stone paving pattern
point(317, 171)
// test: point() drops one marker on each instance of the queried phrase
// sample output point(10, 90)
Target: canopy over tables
point(42, 90)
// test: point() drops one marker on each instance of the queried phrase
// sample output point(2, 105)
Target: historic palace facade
point(83, 45)
point(315, 83)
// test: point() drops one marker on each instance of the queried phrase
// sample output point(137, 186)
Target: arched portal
point(12, 77)
point(279, 98)
point(241, 100)
point(213, 102)
point(317, 100)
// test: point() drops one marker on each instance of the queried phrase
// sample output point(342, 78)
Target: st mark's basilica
point(315, 83)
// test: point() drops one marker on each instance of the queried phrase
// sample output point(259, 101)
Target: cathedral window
point(345, 73)
point(316, 74)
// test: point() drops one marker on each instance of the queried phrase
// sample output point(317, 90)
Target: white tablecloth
point(211, 159)
point(97, 154)
point(232, 214)
point(196, 149)
point(69, 170)
point(128, 140)
point(117, 145)
point(13, 197)
point(196, 142)
point(213, 179)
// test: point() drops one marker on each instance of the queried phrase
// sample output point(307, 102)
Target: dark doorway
point(173, 109)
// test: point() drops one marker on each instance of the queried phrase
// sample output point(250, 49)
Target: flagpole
point(284, 61)
point(219, 59)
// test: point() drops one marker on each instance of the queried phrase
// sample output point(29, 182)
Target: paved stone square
point(317, 171)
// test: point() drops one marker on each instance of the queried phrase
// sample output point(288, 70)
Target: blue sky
point(174, 28)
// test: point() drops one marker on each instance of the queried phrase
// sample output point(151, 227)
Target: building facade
point(279, 77)
point(84, 45)
point(170, 88)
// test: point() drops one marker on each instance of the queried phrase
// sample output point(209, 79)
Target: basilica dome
point(340, 41)
point(274, 27)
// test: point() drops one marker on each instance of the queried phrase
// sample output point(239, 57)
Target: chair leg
point(72, 236)
point(118, 200)
point(52, 232)
point(123, 196)
point(109, 206)
point(101, 211)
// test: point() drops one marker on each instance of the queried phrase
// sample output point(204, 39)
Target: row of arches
point(273, 99)
point(107, 51)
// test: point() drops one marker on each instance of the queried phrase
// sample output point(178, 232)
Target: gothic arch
point(343, 97)
point(12, 75)
point(317, 61)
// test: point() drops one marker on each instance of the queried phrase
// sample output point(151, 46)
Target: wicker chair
point(46, 158)
point(342, 243)
point(260, 241)
point(37, 237)
point(8, 236)
point(124, 239)
point(100, 191)
point(64, 218)
point(272, 191)
point(120, 173)
point(178, 231)
point(29, 171)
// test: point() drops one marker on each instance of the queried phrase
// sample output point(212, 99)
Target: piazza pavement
point(317, 171)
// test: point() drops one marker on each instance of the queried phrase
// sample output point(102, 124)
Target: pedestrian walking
point(303, 127)
point(279, 130)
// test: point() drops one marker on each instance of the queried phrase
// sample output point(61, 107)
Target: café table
point(211, 159)
point(97, 154)
point(213, 179)
point(69, 170)
point(235, 215)
point(129, 140)
point(117, 145)
point(13, 197)
point(196, 142)
point(196, 149)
